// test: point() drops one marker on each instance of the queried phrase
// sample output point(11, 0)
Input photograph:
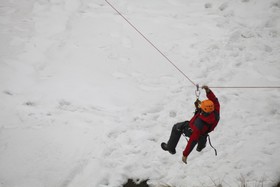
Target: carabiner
point(197, 91)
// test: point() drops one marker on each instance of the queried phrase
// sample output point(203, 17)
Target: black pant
point(177, 130)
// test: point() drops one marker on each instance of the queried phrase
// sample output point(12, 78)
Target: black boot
point(201, 143)
point(199, 148)
point(175, 135)
point(165, 148)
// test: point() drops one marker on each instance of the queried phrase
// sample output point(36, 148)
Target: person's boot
point(165, 148)
point(199, 148)
point(201, 143)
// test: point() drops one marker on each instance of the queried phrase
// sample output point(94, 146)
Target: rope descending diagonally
point(173, 64)
point(156, 48)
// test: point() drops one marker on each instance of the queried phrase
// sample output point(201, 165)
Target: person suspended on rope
point(205, 119)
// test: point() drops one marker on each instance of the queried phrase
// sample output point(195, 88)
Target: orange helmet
point(207, 106)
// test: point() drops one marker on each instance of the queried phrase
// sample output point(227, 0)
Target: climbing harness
point(185, 137)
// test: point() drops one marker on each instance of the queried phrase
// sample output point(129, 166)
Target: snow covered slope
point(86, 101)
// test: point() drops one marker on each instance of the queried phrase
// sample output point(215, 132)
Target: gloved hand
point(197, 103)
point(184, 159)
point(206, 88)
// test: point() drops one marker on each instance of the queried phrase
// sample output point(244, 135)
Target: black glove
point(197, 106)
point(206, 88)
point(197, 103)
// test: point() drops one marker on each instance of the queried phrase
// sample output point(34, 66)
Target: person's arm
point(211, 96)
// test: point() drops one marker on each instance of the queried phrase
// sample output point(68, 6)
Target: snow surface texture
point(85, 101)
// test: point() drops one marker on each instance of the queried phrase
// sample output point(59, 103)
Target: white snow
point(86, 101)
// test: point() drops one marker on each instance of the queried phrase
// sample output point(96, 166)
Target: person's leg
point(174, 138)
point(187, 130)
point(201, 143)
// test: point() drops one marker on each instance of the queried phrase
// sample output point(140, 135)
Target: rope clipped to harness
point(212, 145)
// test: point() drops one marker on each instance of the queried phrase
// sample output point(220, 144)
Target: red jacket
point(202, 124)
